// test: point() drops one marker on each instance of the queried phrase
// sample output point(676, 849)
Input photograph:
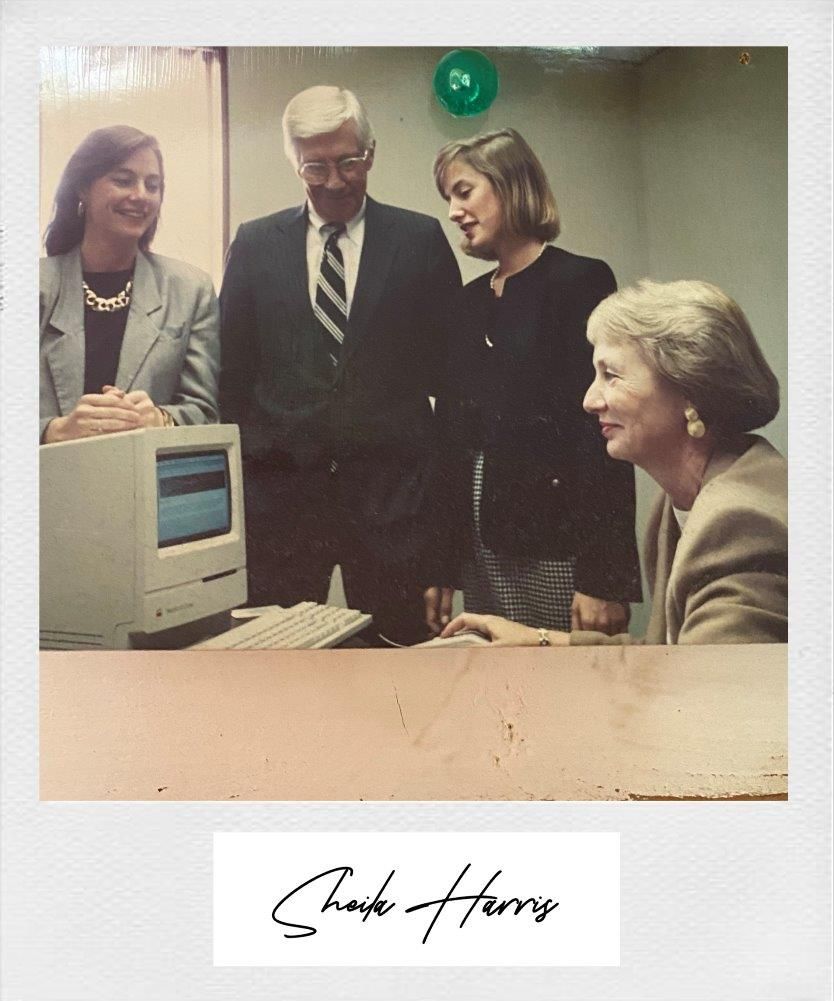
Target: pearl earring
point(694, 425)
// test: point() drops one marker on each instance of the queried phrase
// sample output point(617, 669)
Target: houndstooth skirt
point(537, 593)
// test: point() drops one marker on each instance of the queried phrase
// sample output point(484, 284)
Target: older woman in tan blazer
point(680, 382)
point(128, 339)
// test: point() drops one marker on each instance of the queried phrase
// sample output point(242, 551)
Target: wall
point(713, 141)
point(580, 121)
point(714, 163)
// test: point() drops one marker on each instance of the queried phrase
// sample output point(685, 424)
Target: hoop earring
point(694, 425)
point(81, 209)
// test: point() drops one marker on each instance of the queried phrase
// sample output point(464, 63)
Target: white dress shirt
point(350, 244)
point(680, 518)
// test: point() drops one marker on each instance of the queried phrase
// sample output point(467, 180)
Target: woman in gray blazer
point(128, 339)
point(680, 382)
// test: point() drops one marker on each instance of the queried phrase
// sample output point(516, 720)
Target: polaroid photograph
point(396, 584)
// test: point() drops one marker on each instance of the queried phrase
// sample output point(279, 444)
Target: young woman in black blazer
point(542, 521)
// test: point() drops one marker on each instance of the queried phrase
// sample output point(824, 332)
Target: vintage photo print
point(146, 562)
point(506, 493)
point(703, 155)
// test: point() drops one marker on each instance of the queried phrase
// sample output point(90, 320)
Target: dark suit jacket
point(171, 347)
point(372, 413)
point(549, 491)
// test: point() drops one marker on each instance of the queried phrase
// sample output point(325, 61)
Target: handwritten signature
point(481, 902)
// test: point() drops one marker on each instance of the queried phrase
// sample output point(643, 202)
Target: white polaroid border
point(107, 901)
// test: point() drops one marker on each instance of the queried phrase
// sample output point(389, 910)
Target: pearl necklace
point(98, 304)
point(494, 275)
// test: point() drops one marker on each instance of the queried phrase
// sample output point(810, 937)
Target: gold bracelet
point(544, 640)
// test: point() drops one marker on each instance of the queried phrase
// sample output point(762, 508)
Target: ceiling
point(554, 57)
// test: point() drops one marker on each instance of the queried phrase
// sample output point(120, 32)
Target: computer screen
point(193, 497)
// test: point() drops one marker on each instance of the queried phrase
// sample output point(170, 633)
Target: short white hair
point(698, 339)
point(320, 110)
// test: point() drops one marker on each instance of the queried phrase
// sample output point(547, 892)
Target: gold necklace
point(98, 304)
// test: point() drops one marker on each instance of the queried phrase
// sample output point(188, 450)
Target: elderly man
point(333, 339)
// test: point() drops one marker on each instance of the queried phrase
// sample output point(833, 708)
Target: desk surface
point(587, 723)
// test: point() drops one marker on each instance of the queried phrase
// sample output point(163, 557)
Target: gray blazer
point(724, 579)
point(171, 346)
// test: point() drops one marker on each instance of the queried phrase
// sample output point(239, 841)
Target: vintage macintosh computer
point(143, 545)
point(141, 533)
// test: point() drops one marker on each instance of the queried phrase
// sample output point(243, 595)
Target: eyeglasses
point(349, 167)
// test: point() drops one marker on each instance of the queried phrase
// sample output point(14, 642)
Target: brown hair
point(516, 174)
point(102, 151)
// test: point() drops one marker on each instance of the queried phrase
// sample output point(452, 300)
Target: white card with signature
point(416, 899)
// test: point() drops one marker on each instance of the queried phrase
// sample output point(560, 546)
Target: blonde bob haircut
point(516, 174)
point(698, 339)
point(320, 110)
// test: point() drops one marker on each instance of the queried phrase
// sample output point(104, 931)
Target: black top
point(103, 332)
point(550, 491)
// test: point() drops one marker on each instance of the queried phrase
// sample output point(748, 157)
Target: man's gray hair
point(320, 110)
point(697, 338)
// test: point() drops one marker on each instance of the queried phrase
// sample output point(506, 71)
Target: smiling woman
point(637, 409)
point(128, 339)
point(679, 383)
point(124, 204)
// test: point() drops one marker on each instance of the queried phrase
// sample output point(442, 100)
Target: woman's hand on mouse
point(502, 632)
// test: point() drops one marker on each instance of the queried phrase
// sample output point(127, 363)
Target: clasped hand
point(106, 412)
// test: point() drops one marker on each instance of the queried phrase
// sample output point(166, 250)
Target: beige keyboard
point(305, 626)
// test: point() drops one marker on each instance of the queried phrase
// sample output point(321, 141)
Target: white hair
point(320, 110)
point(697, 338)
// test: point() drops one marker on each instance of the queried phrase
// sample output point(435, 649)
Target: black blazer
point(550, 491)
point(372, 413)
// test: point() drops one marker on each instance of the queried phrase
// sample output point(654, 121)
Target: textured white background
point(113, 901)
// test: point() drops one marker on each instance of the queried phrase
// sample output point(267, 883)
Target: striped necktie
point(331, 297)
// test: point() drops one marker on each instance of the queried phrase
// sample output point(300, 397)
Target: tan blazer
point(724, 579)
point(171, 346)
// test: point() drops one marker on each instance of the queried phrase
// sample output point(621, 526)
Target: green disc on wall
point(465, 82)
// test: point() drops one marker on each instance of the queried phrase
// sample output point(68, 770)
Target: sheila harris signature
point(329, 882)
